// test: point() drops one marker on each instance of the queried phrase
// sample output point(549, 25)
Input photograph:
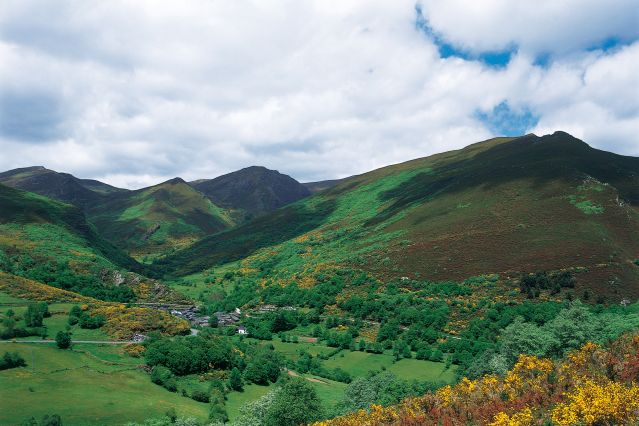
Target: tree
point(63, 340)
point(437, 356)
point(525, 338)
point(235, 380)
point(362, 345)
point(297, 403)
point(34, 315)
point(217, 410)
point(572, 328)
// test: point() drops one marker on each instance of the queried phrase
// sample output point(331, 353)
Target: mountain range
point(508, 206)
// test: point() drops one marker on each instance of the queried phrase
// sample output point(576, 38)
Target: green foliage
point(200, 396)
point(162, 376)
point(264, 367)
point(92, 322)
point(570, 329)
point(295, 404)
point(11, 360)
point(46, 420)
point(531, 284)
point(382, 389)
point(586, 206)
point(235, 380)
point(193, 354)
point(63, 340)
point(35, 314)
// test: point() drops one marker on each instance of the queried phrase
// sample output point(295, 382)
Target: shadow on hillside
point(240, 242)
point(542, 159)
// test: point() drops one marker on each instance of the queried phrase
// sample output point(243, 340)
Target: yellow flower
point(592, 403)
point(521, 418)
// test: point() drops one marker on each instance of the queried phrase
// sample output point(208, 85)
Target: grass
point(182, 214)
point(237, 400)
point(8, 299)
point(83, 389)
point(291, 350)
point(359, 364)
point(586, 206)
point(58, 321)
point(423, 370)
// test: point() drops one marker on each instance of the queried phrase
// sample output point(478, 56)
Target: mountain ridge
point(499, 206)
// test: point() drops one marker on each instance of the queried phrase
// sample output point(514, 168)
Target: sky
point(137, 92)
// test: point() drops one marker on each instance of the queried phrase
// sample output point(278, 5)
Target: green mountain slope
point(158, 219)
point(58, 186)
point(24, 210)
point(52, 243)
point(507, 206)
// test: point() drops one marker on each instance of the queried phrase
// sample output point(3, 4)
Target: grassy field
point(7, 300)
point(237, 399)
point(91, 385)
point(56, 322)
point(359, 364)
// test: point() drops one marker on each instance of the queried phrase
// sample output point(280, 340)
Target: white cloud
point(540, 26)
point(151, 90)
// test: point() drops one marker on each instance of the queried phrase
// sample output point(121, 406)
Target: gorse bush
point(591, 386)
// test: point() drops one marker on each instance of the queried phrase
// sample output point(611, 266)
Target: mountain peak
point(174, 181)
point(254, 190)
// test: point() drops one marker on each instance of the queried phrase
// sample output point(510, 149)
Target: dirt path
point(310, 379)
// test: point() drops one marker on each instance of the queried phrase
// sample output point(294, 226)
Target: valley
point(222, 299)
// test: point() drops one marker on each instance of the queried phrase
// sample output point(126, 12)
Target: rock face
point(254, 190)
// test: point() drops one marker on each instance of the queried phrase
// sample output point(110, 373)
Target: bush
point(235, 380)
point(89, 322)
point(200, 396)
point(63, 340)
point(296, 403)
point(162, 376)
point(11, 360)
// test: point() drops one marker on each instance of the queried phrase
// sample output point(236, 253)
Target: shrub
point(92, 322)
point(63, 340)
point(200, 396)
point(11, 360)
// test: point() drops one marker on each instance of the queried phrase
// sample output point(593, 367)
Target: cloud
point(138, 92)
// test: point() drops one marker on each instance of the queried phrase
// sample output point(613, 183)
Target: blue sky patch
point(497, 59)
point(504, 121)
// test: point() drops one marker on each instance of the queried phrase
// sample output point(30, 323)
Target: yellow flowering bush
point(590, 403)
point(522, 418)
point(591, 386)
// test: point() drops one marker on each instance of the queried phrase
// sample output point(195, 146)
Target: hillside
point(252, 191)
point(508, 205)
point(29, 220)
point(58, 186)
point(158, 219)
point(321, 185)
point(51, 243)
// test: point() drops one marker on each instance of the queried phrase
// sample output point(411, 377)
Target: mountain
point(252, 191)
point(321, 185)
point(507, 206)
point(51, 242)
point(154, 220)
point(59, 186)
